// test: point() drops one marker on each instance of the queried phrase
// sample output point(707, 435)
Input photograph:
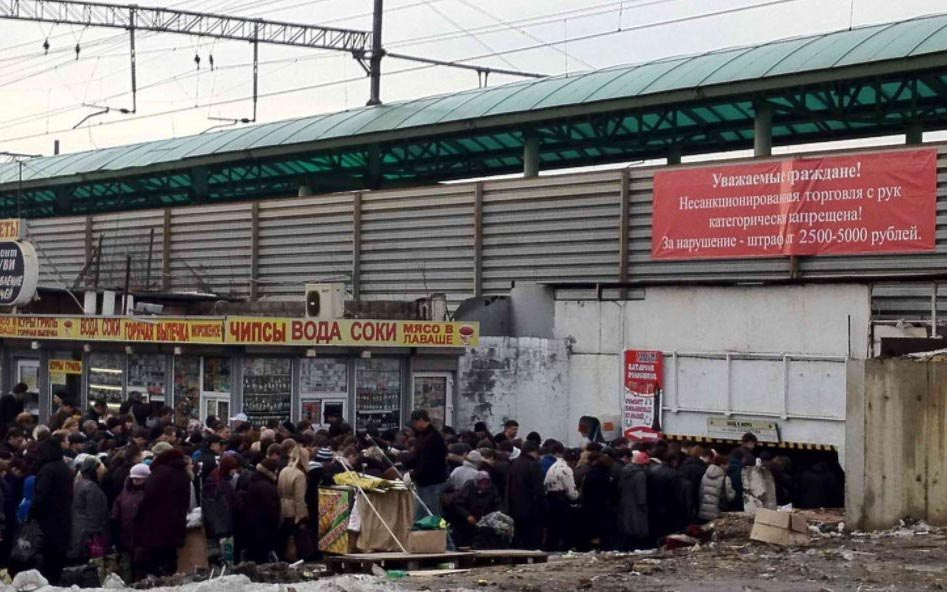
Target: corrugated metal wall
point(60, 245)
point(210, 249)
point(551, 229)
point(127, 237)
point(304, 240)
point(419, 241)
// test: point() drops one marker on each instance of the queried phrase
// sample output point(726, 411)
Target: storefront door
point(434, 391)
point(215, 388)
point(26, 370)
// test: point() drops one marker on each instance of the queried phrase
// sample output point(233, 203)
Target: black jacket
point(667, 510)
point(524, 489)
point(429, 462)
point(472, 502)
point(10, 407)
point(692, 470)
point(162, 517)
point(52, 500)
point(599, 497)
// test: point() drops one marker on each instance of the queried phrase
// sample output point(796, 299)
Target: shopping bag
point(27, 546)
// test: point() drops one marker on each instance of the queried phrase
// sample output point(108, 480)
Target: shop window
point(107, 378)
point(267, 389)
point(378, 393)
point(323, 386)
point(147, 374)
point(216, 377)
point(187, 389)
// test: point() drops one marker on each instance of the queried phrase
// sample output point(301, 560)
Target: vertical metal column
point(674, 155)
point(623, 237)
point(530, 155)
point(374, 67)
point(255, 251)
point(356, 246)
point(762, 129)
point(914, 133)
point(165, 252)
point(478, 240)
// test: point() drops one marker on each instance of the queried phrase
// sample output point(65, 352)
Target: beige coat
point(292, 492)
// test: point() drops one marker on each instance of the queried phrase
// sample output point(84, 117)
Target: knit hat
point(89, 463)
point(483, 476)
point(324, 454)
point(474, 457)
point(140, 471)
point(80, 458)
point(641, 458)
point(161, 447)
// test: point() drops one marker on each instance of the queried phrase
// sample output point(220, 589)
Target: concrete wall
point(754, 352)
point(522, 378)
point(896, 442)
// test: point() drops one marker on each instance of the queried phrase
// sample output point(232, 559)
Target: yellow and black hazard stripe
point(786, 445)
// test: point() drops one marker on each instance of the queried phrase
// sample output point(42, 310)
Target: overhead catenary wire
point(581, 38)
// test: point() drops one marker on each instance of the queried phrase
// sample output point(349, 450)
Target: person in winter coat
point(598, 501)
point(126, 508)
point(633, 504)
point(667, 510)
point(114, 481)
point(819, 486)
point(428, 463)
point(465, 473)
point(294, 513)
point(477, 499)
point(759, 488)
point(260, 510)
point(561, 493)
point(735, 472)
point(219, 500)
point(52, 507)
point(716, 490)
point(692, 471)
point(161, 524)
point(12, 484)
point(90, 512)
point(524, 496)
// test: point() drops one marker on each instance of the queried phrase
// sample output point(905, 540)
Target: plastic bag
point(499, 523)
point(27, 546)
point(430, 523)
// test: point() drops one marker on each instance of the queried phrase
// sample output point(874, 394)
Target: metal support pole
point(374, 68)
point(131, 42)
point(762, 129)
point(934, 334)
point(674, 155)
point(256, 72)
point(531, 156)
point(914, 133)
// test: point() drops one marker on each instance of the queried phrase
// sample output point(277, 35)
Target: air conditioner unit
point(325, 301)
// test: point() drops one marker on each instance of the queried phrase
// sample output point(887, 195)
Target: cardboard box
point(427, 541)
point(193, 555)
point(780, 528)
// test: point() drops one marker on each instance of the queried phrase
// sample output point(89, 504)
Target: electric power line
point(590, 36)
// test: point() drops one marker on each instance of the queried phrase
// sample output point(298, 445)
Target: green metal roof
point(866, 81)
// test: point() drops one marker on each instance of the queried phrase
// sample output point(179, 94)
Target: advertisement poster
point(843, 205)
point(643, 379)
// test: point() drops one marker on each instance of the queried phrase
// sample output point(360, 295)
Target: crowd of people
point(126, 481)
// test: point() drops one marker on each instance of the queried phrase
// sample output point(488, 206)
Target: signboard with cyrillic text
point(243, 331)
point(734, 429)
point(643, 380)
point(882, 202)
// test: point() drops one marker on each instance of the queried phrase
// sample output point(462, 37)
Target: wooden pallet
point(509, 557)
point(364, 562)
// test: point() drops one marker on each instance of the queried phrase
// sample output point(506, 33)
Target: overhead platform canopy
point(868, 81)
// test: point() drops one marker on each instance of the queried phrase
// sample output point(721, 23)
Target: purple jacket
point(124, 512)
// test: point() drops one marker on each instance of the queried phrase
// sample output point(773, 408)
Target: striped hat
point(324, 454)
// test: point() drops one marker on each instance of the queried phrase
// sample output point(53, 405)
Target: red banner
point(870, 203)
point(641, 401)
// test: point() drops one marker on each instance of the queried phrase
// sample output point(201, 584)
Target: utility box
point(325, 302)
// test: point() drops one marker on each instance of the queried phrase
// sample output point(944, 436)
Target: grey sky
point(42, 94)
